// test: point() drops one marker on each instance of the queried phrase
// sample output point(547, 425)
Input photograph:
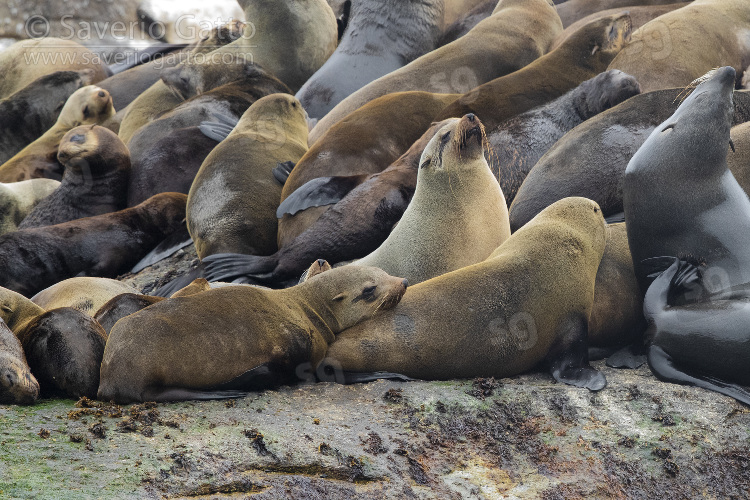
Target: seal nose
point(321, 262)
point(405, 282)
point(471, 117)
point(102, 94)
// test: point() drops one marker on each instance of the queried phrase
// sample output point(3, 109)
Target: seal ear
point(339, 297)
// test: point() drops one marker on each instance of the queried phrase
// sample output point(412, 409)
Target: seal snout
point(471, 126)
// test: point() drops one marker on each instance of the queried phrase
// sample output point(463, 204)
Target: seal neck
point(317, 308)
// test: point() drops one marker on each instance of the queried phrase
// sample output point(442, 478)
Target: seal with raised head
point(458, 215)
point(167, 153)
point(86, 106)
point(84, 294)
point(25, 61)
point(381, 36)
point(680, 198)
point(517, 33)
point(27, 114)
point(103, 245)
point(233, 199)
point(518, 143)
point(97, 165)
point(18, 199)
point(528, 303)
point(358, 223)
point(17, 384)
point(583, 56)
point(259, 337)
point(662, 53)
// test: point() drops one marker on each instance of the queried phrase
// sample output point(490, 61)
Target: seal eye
point(445, 138)
point(86, 112)
point(369, 291)
point(6, 308)
point(425, 163)
point(78, 138)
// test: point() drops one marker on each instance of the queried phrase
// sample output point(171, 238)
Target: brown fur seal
point(97, 165)
point(104, 245)
point(572, 11)
point(467, 21)
point(662, 53)
point(84, 294)
point(355, 226)
point(528, 303)
point(27, 60)
point(18, 199)
point(381, 36)
point(167, 152)
point(87, 105)
point(364, 143)
point(617, 313)
point(64, 348)
point(639, 15)
point(289, 39)
point(518, 32)
point(583, 56)
point(16, 310)
point(517, 144)
point(458, 215)
point(31, 111)
point(590, 160)
point(233, 200)
point(17, 385)
point(265, 338)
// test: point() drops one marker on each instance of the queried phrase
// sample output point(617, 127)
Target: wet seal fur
point(458, 215)
point(95, 180)
point(265, 337)
point(104, 245)
point(528, 303)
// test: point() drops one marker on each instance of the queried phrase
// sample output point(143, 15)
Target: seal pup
point(458, 215)
point(64, 349)
point(167, 153)
point(381, 36)
point(17, 385)
point(46, 55)
point(586, 54)
point(97, 165)
point(233, 199)
point(702, 343)
point(518, 143)
point(266, 337)
point(103, 245)
point(528, 303)
point(355, 226)
point(86, 106)
point(364, 143)
point(18, 199)
point(662, 53)
point(680, 198)
point(590, 160)
point(28, 113)
point(517, 33)
point(84, 294)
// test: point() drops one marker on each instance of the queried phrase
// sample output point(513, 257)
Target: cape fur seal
point(97, 165)
point(528, 303)
point(381, 36)
point(18, 199)
point(458, 215)
point(264, 338)
point(17, 384)
point(87, 105)
point(233, 200)
point(28, 113)
point(103, 245)
point(517, 32)
point(84, 294)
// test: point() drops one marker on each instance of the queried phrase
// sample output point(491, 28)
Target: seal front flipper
point(219, 129)
point(282, 170)
point(569, 360)
point(168, 394)
point(319, 192)
point(663, 367)
point(229, 266)
point(362, 377)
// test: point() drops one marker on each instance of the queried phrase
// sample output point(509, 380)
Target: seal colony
point(369, 226)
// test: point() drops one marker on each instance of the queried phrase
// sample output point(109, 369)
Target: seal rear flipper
point(179, 282)
point(260, 378)
point(569, 360)
point(319, 192)
point(632, 356)
point(282, 170)
point(175, 241)
point(230, 266)
point(167, 394)
point(663, 367)
point(220, 128)
point(362, 377)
